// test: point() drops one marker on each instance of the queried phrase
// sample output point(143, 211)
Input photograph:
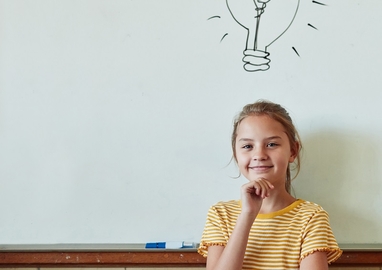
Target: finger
point(264, 190)
point(253, 188)
point(269, 184)
point(260, 187)
point(249, 188)
point(266, 186)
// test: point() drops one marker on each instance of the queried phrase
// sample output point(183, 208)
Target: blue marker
point(171, 245)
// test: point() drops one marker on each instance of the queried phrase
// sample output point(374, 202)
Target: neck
point(278, 200)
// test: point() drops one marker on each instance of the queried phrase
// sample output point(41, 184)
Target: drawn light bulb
point(265, 22)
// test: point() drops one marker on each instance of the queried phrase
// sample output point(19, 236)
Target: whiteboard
point(115, 115)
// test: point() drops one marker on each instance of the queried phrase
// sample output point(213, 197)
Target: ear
point(294, 151)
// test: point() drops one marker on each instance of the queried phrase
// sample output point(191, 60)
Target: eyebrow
point(268, 138)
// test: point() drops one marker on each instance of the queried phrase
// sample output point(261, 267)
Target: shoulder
point(307, 212)
point(306, 207)
point(224, 209)
point(228, 206)
point(233, 204)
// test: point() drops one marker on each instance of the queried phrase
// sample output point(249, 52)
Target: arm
point(319, 247)
point(316, 261)
point(231, 256)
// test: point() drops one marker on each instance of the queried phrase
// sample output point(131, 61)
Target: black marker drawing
point(312, 26)
point(274, 24)
point(294, 49)
point(315, 2)
point(264, 25)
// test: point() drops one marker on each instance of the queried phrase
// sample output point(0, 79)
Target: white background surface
point(115, 116)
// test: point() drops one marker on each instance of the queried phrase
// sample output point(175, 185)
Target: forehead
point(262, 125)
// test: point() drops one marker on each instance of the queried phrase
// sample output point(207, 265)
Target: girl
point(268, 228)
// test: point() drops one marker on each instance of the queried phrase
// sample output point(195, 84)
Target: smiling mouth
point(260, 168)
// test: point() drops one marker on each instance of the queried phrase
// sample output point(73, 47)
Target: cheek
point(285, 162)
point(282, 159)
point(238, 156)
point(242, 160)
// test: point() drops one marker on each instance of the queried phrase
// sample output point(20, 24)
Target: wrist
point(248, 216)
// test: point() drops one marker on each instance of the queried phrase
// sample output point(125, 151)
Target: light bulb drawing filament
point(259, 12)
point(276, 17)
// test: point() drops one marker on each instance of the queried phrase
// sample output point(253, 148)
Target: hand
point(253, 193)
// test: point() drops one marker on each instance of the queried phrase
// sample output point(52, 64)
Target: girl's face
point(263, 149)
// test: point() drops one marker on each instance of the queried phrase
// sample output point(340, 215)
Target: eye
point(272, 144)
point(247, 146)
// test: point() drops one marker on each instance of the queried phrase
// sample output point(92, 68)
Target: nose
point(259, 153)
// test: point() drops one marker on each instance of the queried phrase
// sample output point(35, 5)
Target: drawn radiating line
point(226, 34)
point(312, 26)
point(214, 17)
point(296, 51)
point(319, 3)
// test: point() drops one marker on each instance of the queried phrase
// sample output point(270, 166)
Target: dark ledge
point(135, 255)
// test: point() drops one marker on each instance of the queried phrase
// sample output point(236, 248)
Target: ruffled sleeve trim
point(203, 247)
point(332, 253)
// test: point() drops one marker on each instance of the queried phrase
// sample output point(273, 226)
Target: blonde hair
point(278, 113)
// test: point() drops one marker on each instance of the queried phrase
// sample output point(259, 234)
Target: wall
point(115, 115)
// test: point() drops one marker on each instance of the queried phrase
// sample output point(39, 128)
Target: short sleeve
point(215, 231)
point(318, 236)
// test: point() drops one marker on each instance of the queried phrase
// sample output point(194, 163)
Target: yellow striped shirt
point(279, 240)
